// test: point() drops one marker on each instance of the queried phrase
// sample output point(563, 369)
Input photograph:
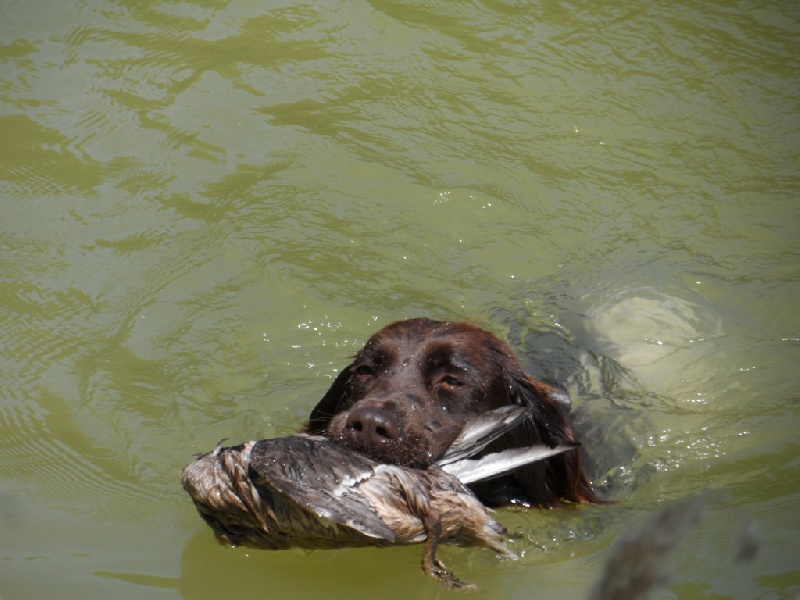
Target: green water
point(208, 206)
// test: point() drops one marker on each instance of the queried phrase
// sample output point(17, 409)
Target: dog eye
point(364, 370)
point(450, 381)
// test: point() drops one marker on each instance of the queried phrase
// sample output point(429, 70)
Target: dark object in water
point(306, 491)
point(639, 562)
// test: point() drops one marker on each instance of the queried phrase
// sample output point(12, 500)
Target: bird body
point(309, 492)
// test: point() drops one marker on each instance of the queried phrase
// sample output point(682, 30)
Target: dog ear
point(327, 408)
point(547, 482)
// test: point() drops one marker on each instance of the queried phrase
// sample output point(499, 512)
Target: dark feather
point(321, 477)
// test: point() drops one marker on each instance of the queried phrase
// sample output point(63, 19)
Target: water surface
point(208, 206)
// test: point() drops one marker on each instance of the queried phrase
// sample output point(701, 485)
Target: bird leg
point(431, 563)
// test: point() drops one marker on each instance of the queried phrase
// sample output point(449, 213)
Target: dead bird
point(306, 491)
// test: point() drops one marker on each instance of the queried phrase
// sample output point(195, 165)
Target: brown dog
point(410, 390)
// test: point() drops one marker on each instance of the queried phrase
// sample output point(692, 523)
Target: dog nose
point(371, 427)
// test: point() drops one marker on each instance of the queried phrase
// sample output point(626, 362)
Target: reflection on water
point(207, 207)
point(10, 508)
point(650, 333)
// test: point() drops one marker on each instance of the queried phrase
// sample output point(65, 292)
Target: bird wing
point(322, 478)
point(499, 463)
point(482, 430)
